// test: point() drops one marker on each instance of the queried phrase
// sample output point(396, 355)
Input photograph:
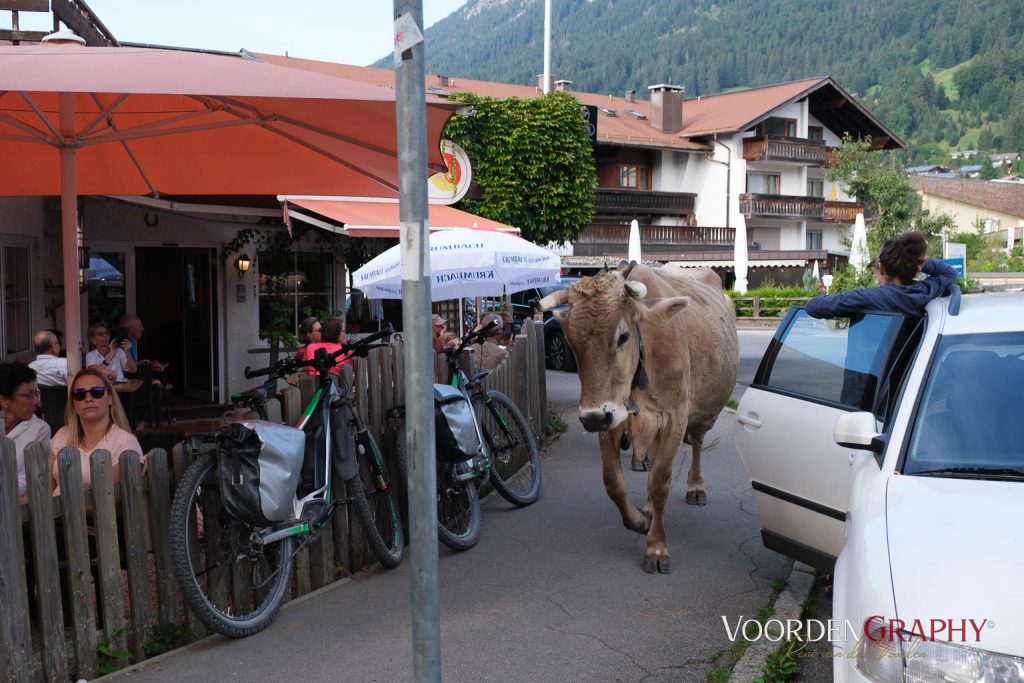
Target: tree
point(890, 203)
point(533, 161)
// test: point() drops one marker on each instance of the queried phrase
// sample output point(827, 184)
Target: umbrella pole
point(69, 238)
point(419, 361)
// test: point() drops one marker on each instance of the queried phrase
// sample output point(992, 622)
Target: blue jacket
point(909, 299)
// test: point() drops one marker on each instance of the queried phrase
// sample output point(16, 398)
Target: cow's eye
point(623, 338)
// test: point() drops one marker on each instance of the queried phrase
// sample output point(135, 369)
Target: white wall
point(24, 220)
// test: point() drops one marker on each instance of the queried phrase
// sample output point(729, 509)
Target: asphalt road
point(552, 592)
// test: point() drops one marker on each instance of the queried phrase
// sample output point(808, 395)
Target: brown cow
point(658, 345)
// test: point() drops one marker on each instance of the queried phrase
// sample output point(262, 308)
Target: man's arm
point(844, 303)
point(940, 276)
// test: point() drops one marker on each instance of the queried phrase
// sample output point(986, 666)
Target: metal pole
point(419, 362)
point(547, 46)
point(69, 235)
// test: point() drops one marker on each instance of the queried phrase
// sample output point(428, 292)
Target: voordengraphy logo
point(875, 628)
point(952, 630)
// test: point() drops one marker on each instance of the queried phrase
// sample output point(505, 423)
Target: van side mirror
point(859, 430)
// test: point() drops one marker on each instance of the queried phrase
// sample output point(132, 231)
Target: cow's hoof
point(641, 465)
point(654, 563)
point(696, 497)
point(625, 442)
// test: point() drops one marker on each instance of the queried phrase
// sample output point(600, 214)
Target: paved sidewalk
point(552, 592)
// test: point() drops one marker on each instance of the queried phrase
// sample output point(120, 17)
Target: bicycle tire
point(375, 503)
point(200, 531)
point(515, 460)
point(458, 510)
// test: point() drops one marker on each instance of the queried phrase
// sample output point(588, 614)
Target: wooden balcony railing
point(782, 206)
point(609, 200)
point(841, 212)
point(777, 148)
point(658, 234)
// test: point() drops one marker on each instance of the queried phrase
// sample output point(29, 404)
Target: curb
point(789, 605)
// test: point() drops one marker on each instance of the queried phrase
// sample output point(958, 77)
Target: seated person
point(19, 398)
point(96, 421)
point(489, 354)
point(112, 361)
point(51, 370)
point(132, 325)
point(334, 336)
point(310, 332)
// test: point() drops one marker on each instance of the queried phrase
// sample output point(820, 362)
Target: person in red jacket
point(333, 338)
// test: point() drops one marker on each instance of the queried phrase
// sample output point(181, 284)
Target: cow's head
point(602, 326)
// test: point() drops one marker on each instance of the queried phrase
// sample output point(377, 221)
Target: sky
point(346, 31)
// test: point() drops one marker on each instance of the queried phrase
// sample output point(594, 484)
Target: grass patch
point(732, 403)
point(554, 428)
point(726, 659)
point(781, 665)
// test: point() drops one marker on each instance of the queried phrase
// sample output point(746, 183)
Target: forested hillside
point(944, 74)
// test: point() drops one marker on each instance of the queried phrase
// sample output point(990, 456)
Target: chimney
point(563, 86)
point(442, 81)
point(631, 95)
point(667, 107)
point(540, 83)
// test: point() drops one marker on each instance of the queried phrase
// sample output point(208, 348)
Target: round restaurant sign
point(452, 185)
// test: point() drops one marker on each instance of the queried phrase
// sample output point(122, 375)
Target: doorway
point(177, 302)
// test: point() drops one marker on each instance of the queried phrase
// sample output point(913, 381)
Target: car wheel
point(559, 354)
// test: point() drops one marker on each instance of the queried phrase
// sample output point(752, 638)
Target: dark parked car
point(556, 350)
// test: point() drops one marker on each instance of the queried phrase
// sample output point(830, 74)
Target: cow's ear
point(666, 309)
point(636, 290)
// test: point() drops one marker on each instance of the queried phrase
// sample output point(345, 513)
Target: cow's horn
point(627, 268)
point(554, 299)
point(637, 290)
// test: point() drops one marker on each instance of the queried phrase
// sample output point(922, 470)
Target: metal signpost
point(419, 362)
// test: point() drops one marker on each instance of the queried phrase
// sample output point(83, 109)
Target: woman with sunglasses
point(310, 332)
point(96, 421)
point(19, 398)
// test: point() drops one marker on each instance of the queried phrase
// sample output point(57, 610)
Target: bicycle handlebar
point(322, 361)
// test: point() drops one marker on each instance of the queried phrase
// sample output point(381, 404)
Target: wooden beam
point(77, 18)
point(23, 36)
point(25, 5)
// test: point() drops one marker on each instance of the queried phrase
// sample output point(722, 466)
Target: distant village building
point(964, 154)
point(1008, 159)
point(972, 171)
point(997, 207)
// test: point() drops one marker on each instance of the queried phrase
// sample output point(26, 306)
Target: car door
point(812, 372)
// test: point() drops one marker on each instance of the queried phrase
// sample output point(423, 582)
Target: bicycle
point(509, 458)
point(235, 575)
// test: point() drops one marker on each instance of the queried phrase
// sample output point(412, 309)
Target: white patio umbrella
point(465, 264)
point(740, 254)
point(859, 257)
point(633, 252)
point(817, 276)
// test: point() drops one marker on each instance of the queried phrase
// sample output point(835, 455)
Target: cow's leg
point(695, 494)
point(615, 484)
point(659, 481)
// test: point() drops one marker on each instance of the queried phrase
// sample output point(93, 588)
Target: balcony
point(841, 212)
point(782, 206)
point(778, 148)
point(616, 201)
point(602, 240)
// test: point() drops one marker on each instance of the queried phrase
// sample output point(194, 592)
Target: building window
point(296, 284)
point(816, 133)
point(763, 183)
point(815, 187)
point(814, 240)
point(17, 304)
point(635, 177)
point(777, 126)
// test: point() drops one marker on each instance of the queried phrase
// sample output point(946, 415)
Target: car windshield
point(968, 422)
point(544, 291)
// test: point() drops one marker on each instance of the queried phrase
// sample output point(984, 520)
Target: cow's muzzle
point(608, 416)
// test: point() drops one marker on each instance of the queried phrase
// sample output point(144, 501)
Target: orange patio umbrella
point(78, 120)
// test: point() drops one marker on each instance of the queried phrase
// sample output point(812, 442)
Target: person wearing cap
point(489, 354)
point(442, 337)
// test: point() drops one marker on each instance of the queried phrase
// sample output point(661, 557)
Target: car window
point(895, 373)
point(836, 361)
point(968, 415)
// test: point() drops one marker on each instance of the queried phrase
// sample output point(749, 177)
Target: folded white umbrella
point(464, 264)
point(859, 257)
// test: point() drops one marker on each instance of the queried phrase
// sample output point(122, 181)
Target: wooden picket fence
point(86, 581)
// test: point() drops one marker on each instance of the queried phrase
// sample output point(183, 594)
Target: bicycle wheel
point(375, 503)
point(515, 460)
point(233, 585)
point(458, 510)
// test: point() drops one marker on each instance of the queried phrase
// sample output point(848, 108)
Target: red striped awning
point(380, 218)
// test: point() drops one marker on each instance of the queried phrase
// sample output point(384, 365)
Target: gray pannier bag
point(456, 438)
point(259, 468)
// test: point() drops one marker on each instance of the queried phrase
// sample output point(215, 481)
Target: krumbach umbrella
point(78, 120)
point(465, 263)
point(859, 257)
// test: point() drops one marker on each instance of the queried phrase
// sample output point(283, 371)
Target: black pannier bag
point(259, 468)
point(456, 437)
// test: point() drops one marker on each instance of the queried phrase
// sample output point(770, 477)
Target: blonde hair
point(115, 412)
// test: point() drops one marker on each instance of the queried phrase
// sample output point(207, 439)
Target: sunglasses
point(95, 392)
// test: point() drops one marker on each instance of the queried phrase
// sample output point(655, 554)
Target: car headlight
point(912, 659)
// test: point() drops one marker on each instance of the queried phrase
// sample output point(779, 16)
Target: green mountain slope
point(933, 70)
